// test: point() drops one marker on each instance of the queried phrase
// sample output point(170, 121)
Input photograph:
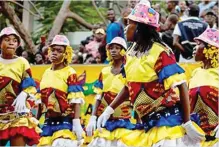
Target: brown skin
point(132, 3)
point(171, 6)
point(210, 19)
point(18, 140)
point(184, 100)
point(114, 50)
point(56, 57)
point(111, 16)
point(199, 56)
point(9, 44)
point(122, 96)
point(77, 108)
point(176, 43)
point(131, 30)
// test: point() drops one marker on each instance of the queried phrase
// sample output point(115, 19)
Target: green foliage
point(2, 21)
point(50, 10)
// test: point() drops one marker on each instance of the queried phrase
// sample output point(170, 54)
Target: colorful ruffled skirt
point(158, 129)
point(12, 124)
point(58, 132)
point(112, 134)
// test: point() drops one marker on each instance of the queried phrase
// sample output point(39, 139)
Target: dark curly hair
point(145, 36)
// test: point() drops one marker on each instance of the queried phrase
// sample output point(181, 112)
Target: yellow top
point(203, 94)
point(151, 78)
point(204, 77)
point(109, 85)
point(15, 76)
point(59, 88)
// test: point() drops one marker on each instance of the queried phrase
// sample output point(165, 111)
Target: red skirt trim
point(30, 135)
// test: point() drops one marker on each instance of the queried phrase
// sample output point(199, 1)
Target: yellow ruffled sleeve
point(75, 90)
point(174, 80)
point(168, 71)
point(98, 86)
point(28, 84)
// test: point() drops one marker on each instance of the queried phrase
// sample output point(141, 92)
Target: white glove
point(20, 103)
point(104, 117)
point(192, 132)
point(77, 128)
point(217, 131)
point(91, 125)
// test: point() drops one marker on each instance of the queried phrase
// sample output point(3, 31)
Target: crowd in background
point(92, 50)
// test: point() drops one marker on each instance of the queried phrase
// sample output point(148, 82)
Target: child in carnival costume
point(203, 85)
point(107, 87)
point(151, 74)
point(17, 124)
point(63, 96)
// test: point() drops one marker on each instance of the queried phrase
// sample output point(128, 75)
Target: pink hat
point(60, 40)
point(120, 41)
point(210, 36)
point(143, 13)
point(9, 31)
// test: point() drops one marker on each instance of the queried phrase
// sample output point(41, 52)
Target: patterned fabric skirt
point(58, 132)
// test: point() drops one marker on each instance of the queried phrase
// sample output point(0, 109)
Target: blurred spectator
point(89, 59)
point(114, 29)
point(157, 8)
point(123, 20)
point(77, 58)
point(171, 6)
point(182, 10)
point(98, 59)
point(39, 58)
point(132, 3)
point(167, 35)
point(92, 47)
point(210, 18)
point(215, 9)
point(25, 55)
point(185, 32)
point(205, 5)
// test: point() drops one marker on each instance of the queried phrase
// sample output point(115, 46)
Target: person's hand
point(91, 125)
point(104, 117)
point(76, 127)
point(192, 132)
point(20, 103)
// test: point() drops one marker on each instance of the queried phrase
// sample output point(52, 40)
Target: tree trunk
point(99, 13)
point(9, 12)
point(64, 13)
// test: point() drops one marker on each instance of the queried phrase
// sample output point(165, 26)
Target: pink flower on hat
point(210, 36)
point(145, 14)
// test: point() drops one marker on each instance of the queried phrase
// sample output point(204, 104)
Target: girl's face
point(131, 30)
point(9, 45)
point(57, 54)
point(199, 56)
point(114, 50)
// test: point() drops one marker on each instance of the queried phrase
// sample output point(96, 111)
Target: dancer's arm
point(184, 99)
point(120, 98)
